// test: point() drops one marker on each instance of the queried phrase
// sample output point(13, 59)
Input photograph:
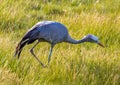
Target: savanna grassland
point(82, 64)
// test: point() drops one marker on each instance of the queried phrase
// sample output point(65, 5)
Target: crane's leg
point(32, 52)
point(49, 57)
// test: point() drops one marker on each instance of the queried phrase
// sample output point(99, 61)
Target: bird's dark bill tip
point(101, 44)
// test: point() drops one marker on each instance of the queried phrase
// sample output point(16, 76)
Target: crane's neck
point(73, 41)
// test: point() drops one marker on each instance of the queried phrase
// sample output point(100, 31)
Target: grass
point(84, 64)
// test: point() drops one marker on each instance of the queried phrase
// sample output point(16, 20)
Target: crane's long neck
point(73, 41)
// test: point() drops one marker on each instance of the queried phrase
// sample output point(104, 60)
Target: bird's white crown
point(94, 37)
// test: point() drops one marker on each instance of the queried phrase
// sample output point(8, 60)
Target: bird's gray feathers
point(52, 32)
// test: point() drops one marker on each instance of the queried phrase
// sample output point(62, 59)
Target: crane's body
point(49, 31)
point(53, 33)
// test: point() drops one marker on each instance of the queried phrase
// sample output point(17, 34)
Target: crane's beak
point(100, 44)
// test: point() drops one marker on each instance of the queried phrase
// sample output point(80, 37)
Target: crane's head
point(92, 38)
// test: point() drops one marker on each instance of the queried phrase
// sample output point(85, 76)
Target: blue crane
point(53, 33)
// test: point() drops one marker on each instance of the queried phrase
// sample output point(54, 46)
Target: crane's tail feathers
point(20, 47)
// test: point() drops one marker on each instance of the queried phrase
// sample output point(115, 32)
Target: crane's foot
point(44, 66)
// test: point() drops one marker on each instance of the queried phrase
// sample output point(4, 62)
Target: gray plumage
point(53, 33)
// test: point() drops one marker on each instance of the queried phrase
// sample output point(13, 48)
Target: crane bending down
point(53, 33)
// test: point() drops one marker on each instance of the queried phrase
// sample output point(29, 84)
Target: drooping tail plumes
point(20, 45)
point(27, 39)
